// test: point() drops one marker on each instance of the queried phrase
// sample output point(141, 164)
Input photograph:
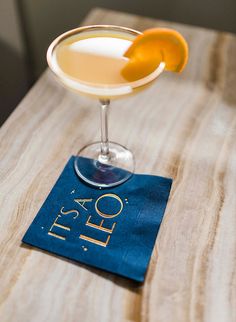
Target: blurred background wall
point(28, 26)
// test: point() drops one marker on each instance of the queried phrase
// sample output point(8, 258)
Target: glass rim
point(75, 83)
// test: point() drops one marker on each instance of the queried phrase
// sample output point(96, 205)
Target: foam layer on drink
point(97, 60)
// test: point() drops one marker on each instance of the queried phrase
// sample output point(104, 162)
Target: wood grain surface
point(183, 127)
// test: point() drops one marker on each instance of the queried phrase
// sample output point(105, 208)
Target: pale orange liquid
point(95, 60)
point(91, 61)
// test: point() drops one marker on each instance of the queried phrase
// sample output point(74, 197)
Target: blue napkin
point(112, 229)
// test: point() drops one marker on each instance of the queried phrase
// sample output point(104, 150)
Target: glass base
point(103, 172)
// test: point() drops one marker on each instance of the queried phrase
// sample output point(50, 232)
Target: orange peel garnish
point(152, 47)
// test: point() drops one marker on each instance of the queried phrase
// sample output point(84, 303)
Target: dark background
point(28, 26)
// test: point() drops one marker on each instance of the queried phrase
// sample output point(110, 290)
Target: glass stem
point(105, 103)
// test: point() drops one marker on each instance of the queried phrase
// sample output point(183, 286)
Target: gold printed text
point(109, 195)
point(82, 202)
point(100, 226)
point(56, 224)
point(95, 241)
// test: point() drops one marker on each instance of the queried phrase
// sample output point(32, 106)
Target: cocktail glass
point(88, 60)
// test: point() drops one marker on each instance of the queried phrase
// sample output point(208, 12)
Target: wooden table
point(183, 127)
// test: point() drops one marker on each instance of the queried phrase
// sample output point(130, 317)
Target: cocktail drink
point(93, 60)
